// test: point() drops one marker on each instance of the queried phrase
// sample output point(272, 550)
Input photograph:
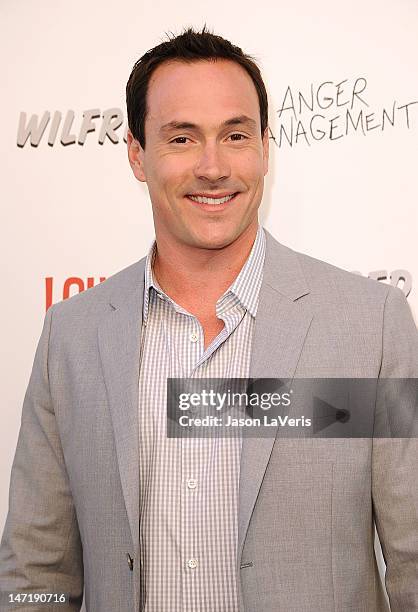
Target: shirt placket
point(189, 342)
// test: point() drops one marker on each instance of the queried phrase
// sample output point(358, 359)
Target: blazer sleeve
point(40, 550)
point(395, 460)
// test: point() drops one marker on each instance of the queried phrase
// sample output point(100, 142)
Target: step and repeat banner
point(343, 124)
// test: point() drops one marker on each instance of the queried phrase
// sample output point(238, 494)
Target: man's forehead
point(208, 98)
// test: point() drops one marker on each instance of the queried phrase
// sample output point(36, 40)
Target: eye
point(237, 134)
point(178, 138)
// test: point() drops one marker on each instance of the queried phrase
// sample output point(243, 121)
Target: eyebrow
point(186, 125)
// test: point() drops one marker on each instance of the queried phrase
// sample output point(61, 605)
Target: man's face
point(205, 155)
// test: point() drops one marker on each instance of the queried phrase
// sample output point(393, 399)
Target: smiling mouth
point(212, 201)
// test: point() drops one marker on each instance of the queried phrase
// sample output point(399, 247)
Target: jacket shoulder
point(118, 285)
point(322, 275)
point(295, 274)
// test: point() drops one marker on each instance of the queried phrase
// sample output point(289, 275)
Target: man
point(100, 497)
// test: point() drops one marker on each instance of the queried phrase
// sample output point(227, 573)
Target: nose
point(212, 164)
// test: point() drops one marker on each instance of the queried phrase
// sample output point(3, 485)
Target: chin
point(218, 240)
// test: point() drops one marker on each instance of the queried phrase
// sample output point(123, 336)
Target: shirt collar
point(246, 286)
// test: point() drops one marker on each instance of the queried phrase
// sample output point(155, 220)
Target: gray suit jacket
point(306, 508)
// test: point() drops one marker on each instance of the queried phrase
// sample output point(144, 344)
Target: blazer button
point(130, 561)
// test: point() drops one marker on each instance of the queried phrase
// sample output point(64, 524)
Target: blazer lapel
point(119, 337)
point(281, 325)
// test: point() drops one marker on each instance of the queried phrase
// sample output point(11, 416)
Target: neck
point(198, 277)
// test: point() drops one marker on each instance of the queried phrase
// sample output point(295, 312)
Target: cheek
point(172, 172)
point(251, 164)
point(254, 173)
point(165, 189)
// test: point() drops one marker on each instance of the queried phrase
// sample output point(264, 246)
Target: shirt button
point(192, 483)
point(192, 563)
point(194, 337)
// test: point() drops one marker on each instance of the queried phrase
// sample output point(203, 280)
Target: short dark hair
point(188, 47)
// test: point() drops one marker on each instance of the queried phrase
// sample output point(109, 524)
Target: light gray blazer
point(306, 508)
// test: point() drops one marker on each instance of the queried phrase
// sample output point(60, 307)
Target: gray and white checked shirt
point(189, 486)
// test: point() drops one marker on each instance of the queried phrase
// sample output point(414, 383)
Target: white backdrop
point(341, 187)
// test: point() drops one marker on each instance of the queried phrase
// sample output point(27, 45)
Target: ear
point(136, 157)
point(266, 142)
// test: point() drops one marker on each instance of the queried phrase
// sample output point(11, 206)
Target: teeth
point(203, 200)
